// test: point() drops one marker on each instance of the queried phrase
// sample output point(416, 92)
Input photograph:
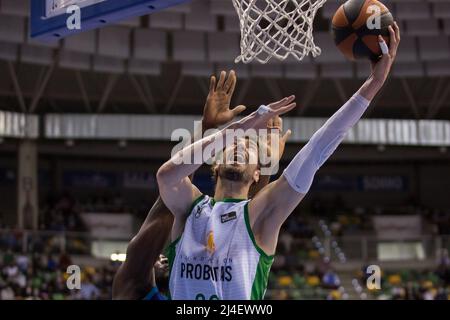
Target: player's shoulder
point(200, 204)
point(201, 201)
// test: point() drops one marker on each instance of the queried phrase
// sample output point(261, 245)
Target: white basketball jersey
point(217, 257)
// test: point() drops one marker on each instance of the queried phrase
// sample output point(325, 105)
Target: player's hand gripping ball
point(357, 25)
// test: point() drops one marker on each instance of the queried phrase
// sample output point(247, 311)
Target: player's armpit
point(269, 210)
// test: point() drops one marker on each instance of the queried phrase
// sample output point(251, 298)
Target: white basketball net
point(276, 28)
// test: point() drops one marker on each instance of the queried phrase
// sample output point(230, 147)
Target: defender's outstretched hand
point(217, 110)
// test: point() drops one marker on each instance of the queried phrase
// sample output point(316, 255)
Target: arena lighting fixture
point(122, 143)
point(70, 143)
point(118, 257)
point(381, 148)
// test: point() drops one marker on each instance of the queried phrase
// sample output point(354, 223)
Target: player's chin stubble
point(235, 174)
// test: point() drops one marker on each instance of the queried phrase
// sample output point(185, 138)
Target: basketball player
point(135, 279)
point(223, 246)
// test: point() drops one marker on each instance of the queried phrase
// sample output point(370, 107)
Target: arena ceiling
point(39, 89)
point(122, 71)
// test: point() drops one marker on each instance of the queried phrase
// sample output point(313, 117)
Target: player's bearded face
point(241, 162)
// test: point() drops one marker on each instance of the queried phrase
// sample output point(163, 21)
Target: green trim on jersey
point(259, 286)
point(170, 251)
point(264, 264)
point(196, 202)
point(252, 236)
point(213, 201)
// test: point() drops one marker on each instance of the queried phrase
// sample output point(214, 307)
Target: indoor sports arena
point(109, 189)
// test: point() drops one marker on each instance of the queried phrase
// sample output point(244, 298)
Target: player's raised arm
point(176, 190)
point(273, 205)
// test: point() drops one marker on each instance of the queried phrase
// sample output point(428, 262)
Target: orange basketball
point(356, 26)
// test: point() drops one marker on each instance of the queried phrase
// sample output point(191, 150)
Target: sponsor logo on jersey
point(228, 217)
point(199, 212)
point(210, 245)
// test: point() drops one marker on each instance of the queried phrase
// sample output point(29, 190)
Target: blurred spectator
point(6, 293)
point(89, 290)
point(286, 239)
point(300, 270)
point(331, 280)
point(412, 285)
point(61, 214)
point(43, 277)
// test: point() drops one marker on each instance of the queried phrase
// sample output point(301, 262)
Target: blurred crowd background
point(33, 265)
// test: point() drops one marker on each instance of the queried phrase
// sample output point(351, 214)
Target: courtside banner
point(396, 227)
point(109, 225)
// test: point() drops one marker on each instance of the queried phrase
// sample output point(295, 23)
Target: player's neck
point(227, 189)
